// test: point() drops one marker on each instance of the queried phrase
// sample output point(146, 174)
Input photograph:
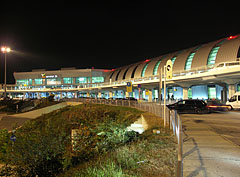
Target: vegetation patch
point(149, 155)
point(43, 146)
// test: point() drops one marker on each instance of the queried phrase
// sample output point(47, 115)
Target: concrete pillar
point(224, 95)
point(110, 94)
point(88, 94)
point(231, 90)
point(150, 96)
point(126, 94)
point(185, 92)
point(99, 95)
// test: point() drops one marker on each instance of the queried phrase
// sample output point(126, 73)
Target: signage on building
point(44, 76)
point(169, 69)
point(129, 86)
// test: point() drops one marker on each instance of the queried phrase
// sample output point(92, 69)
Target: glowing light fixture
point(5, 49)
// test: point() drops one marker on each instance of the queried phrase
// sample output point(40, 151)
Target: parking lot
point(227, 124)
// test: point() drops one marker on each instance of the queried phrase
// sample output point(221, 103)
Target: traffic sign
point(139, 85)
point(129, 86)
point(169, 69)
point(13, 138)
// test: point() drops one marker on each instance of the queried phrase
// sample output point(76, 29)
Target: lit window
point(54, 81)
point(97, 79)
point(155, 69)
point(38, 81)
point(173, 60)
point(67, 80)
point(81, 80)
point(212, 56)
point(22, 82)
point(211, 92)
point(144, 70)
point(213, 53)
point(188, 63)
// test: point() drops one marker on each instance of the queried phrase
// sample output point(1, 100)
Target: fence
point(172, 119)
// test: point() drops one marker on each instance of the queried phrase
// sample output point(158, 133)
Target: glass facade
point(155, 69)
point(212, 56)
point(213, 53)
point(54, 81)
point(81, 80)
point(173, 59)
point(190, 57)
point(24, 82)
point(144, 70)
point(212, 92)
point(67, 80)
point(38, 81)
point(97, 79)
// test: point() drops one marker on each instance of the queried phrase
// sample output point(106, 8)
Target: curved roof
point(223, 50)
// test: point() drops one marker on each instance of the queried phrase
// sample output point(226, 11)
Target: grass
point(150, 155)
point(104, 147)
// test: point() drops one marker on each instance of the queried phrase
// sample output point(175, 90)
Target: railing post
point(180, 149)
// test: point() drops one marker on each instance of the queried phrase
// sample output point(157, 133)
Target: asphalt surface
point(10, 122)
point(226, 124)
point(211, 144)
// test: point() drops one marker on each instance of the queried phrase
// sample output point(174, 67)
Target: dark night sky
point(106, 35)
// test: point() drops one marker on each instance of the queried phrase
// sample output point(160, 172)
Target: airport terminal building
point(206, 71)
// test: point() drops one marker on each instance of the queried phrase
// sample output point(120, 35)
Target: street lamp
point(5, 50)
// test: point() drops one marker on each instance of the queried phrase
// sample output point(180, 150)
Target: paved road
point(12, 121)
point(210, 145)
point(227, 124)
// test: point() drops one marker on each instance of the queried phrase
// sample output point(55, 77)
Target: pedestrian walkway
point(207, 154)
point(15, 120)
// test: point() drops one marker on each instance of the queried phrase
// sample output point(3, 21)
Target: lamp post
point(5, 50)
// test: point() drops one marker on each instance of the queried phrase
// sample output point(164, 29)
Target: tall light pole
point(5, 50)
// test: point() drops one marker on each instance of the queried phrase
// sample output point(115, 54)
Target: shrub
point(43, 146)
point(4, 141)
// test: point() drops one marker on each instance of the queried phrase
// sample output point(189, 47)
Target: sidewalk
point(10, 121)
point(207, 154)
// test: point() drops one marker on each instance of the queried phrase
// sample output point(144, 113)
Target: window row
point(58, 81)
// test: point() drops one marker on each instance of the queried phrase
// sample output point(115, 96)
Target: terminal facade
point(206, 71)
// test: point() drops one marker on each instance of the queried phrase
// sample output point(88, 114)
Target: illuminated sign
point(52, 76)
point(49, 76)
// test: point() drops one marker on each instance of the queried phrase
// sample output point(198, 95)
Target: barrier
point(176, 126)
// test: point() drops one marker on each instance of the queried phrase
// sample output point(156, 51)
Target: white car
point(234, 101)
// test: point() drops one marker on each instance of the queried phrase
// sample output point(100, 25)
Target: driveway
point(207, 151)
point(12, 121)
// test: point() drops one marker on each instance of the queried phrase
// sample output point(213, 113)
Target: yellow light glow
point(5, 49)
point(8, 49)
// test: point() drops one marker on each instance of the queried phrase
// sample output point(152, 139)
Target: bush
point(43, 146)
point(4, 141)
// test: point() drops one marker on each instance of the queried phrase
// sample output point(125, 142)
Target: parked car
point(234, 101)
point(190, 106)
point(215, 106)
point(131, 99)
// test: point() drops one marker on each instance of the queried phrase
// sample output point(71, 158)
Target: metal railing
point(147, 79)
point(176, 126)
point(172, 117)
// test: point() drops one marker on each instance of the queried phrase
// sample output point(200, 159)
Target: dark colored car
point(131, 99)
point(216, 106)
point(190, 106)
